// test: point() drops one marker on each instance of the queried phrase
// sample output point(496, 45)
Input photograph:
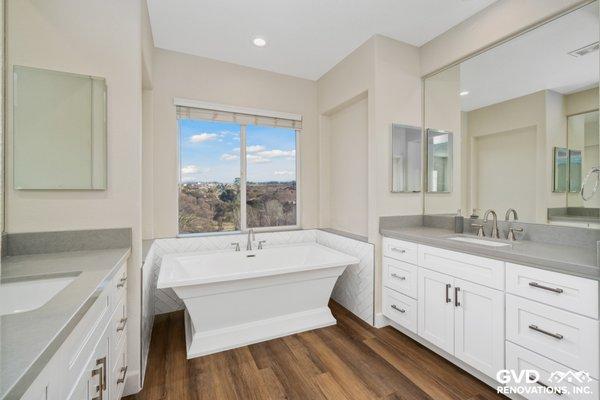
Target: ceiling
point(535, 61)
point(305, 38)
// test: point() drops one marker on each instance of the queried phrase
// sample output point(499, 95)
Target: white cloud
point(203, 137)
point(228, 157)
point(190, 169)
point(279, 173)
point(254, 159)
point(255, 148)
point(275, 153)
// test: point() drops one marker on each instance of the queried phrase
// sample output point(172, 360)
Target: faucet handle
point(237, 245)
point(480, 232)
point(260, 244)
point(511, 233)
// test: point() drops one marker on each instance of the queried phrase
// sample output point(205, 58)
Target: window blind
point(242, 117)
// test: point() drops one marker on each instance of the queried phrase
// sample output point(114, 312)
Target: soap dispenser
point(459, 222)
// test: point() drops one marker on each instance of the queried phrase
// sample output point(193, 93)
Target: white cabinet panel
point(520, 359)
point(400, 276)
point(400, 250)
point(400, 309)
point(436, 309)
point(483, 271)
point(479, 326)
point(562, 336)
point(571, 293)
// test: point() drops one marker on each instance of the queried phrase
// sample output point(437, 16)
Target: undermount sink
point(479, 241)
point(30, 294)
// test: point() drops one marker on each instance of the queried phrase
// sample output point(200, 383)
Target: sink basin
point(480, 241)
point(27, 295)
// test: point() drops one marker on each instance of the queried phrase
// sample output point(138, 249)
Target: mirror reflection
point(524, 116)
point(439, 161)
point(406, 159)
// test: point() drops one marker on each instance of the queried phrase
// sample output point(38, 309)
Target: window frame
point(243, 205)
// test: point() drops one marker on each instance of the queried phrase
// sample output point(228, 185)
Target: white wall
point(182, 75)
point(101, 38)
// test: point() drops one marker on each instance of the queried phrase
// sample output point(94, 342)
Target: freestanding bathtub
point(233, 299)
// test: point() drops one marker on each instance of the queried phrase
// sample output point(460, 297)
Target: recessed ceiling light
point(464, 93)
point(259, 42)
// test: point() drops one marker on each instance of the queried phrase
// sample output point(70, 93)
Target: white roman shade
point(193, 109)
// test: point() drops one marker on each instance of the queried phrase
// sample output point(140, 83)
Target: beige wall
point(348, 167)
point(580, 102)
point(101, 38)
point(498, 21)
point(198, 78)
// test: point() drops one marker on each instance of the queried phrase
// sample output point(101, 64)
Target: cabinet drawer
point(118, 326)
point(118, 284)
point(483, 271)
point(519, 359)
point(400, 250)
point(80, 344)
point(564, 337)
point(400, 276)
point(400, 309)
point(568, 292)
point(118, 373)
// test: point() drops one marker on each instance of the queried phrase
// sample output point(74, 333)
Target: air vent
point(590, 48)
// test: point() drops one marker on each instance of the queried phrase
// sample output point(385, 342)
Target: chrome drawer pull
point(537, 285)
point(122, 378)
point(554, 390)
point(121, 282)
point(448, 300)
point(401, 251)
point(124, 322)
point(402, 278)
point(554, 335)
point(395, 307)
point(456, 302)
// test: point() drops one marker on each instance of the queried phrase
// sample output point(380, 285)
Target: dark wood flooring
point(348, 361)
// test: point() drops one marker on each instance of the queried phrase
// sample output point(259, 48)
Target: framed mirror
point(439, 161)
point(406, 159)
point(561, 170)
point(59, 130)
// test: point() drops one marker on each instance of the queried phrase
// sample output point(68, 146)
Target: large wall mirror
point(524, 121)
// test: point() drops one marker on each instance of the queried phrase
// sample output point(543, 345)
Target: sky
point(210, 151)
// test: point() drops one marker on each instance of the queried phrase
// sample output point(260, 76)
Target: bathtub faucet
point(251, 238)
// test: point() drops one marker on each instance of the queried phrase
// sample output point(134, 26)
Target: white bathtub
point(233, 299)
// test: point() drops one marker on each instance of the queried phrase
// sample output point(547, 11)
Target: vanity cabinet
point(91, 364)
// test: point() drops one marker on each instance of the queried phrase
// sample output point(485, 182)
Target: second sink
point(483, 242)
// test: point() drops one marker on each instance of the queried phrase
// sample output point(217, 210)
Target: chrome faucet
point(494, 233)
point(514, 213)
point(251, 238)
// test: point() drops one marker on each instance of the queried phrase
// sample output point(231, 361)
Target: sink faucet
point(494, 233)
point(514, 213)
point(250, 239)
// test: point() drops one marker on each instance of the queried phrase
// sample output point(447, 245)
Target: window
point(236, 171)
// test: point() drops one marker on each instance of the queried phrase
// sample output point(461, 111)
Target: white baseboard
point(381, 320)
point(132, 383)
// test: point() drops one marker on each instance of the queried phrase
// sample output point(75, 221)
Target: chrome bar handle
point(122, 378)
point(554, 390)
point(456, 302)
point(537, 285)
point(397, 250)
point(102, 361)
point(554, 335)
point(99, 388)
point(448, 299)
point(122, 327)
point(395, 307)
point(402, 278)
point(121, 282)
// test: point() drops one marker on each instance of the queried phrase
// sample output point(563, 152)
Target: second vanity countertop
point(572, 260)
point(30, 339)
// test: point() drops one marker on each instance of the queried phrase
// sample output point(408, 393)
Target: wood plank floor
point(348, 361)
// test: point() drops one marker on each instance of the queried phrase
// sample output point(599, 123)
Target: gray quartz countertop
point(29, 339)
point(572, 260)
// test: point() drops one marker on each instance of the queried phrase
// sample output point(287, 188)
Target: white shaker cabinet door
point(436, 309)
point(479, 326)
